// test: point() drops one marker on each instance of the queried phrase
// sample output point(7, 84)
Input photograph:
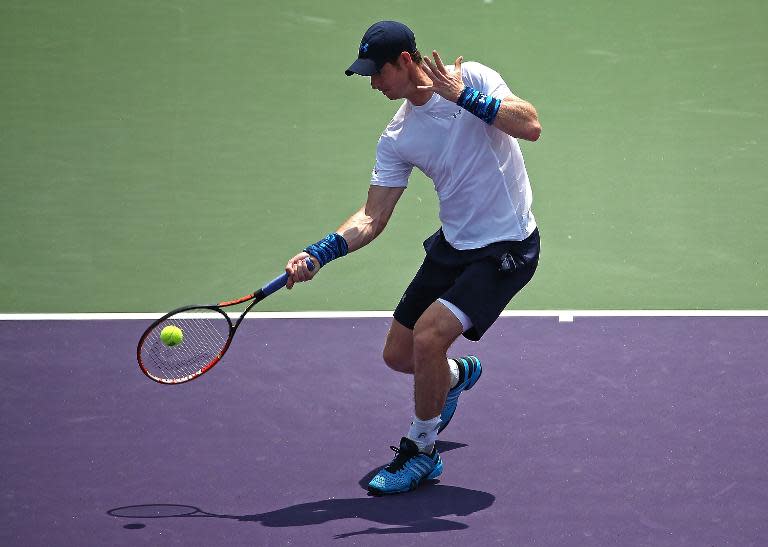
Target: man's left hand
point(448, 85)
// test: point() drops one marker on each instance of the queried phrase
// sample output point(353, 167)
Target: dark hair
point(415, 56)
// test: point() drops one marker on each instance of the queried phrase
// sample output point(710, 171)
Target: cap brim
point(363, 67)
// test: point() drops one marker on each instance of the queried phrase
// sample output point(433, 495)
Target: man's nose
point(374, 81)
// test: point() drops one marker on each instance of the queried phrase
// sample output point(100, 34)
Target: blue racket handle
point(279, 282)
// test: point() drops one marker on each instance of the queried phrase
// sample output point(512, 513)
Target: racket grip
point(279, 282)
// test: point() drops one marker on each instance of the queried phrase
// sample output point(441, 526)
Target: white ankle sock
point(454, 372)
point(424, 433)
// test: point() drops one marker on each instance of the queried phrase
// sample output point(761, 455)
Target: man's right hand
point(298, 271)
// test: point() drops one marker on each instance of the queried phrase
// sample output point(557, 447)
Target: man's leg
point(423, 351)
point(398, 355)
point(417, 459)
point(433, 334)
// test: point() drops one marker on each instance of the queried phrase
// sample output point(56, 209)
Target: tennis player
point(458, 125)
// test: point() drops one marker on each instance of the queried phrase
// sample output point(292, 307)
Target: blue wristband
point(481, 105)
point(329, 248)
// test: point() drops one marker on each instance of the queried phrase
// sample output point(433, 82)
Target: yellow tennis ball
point(171, 336)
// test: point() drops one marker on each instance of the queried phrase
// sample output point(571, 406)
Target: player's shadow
point(423, 510)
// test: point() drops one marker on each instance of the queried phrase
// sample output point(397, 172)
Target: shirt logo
point(364, 47)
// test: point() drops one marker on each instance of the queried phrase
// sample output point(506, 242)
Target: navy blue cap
point(382, 43)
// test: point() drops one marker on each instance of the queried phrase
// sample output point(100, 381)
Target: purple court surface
point(602, 432)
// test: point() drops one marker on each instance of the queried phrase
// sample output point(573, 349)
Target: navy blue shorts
point(480, 282)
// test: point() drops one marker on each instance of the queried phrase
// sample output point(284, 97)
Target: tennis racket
point(207, 332)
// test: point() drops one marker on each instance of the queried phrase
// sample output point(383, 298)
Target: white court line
point(564, 316)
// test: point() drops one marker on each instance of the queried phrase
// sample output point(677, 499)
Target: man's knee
point(396, 360)
point(398, 350)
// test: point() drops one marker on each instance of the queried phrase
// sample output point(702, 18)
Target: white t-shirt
point(478, 170)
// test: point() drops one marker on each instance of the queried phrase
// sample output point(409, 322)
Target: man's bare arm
point(518, 118)
point(367, 223)
point(358, 230)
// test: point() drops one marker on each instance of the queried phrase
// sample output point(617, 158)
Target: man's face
point(392, 81)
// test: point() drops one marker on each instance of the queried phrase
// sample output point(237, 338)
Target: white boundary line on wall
point(564, 316)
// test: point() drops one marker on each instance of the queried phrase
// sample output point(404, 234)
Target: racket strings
point(204, 338)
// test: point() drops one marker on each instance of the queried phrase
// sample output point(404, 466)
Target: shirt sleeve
point(389, 169)
point(484, 79)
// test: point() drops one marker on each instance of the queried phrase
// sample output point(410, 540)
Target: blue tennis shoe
point(470, 370)
point(409, 469)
